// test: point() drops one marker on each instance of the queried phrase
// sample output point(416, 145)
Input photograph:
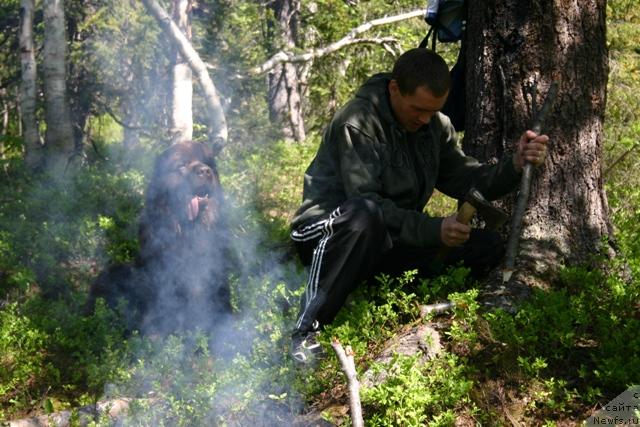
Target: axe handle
point(465, 213)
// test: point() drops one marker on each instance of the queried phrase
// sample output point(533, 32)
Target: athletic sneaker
point(305, 348)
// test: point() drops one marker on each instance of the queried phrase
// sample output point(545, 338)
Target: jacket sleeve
point(360, 167)
point(459, 172)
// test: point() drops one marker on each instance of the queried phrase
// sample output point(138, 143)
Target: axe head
point(492, 216)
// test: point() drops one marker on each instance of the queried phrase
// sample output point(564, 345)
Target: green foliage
point(335, 78)
point(374, 312)
point(22, 361)
point(418, 394)
point(51, 354)
point(232, 373)
point(50, 225)
point(572, 343)
point(622, 125)
point(565, 349)
point(267, 179)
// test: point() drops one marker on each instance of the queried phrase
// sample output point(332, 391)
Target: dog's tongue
point(192, 208)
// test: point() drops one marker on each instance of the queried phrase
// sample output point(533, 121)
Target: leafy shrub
point(417, 394)
point(23, 365)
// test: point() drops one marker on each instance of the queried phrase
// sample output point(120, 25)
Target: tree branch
point(620, 159)
point(349, 368)
point(347, 40)
point(218, 132)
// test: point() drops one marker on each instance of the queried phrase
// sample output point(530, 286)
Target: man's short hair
point(421, 67)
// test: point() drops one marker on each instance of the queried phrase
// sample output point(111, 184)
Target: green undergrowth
point(566, 349)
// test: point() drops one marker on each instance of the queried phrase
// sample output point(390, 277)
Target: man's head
point(418, 88)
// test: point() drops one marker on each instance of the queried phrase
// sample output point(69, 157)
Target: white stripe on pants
point(322, 228)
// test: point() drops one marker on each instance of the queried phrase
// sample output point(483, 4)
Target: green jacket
point(364, 152)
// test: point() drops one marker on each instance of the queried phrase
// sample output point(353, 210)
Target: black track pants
point(352, 244)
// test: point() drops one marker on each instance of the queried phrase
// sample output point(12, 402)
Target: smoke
point(201, 367)
point(194, 361)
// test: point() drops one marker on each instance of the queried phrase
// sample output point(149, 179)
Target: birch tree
point(182, 85)
point(59, 134)
point(218, 131)
point(28, 87)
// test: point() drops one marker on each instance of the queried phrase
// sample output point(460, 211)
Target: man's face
point(414, 110)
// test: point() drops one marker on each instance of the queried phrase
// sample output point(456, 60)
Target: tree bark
point(182, 85)
point(218, 132)
point(284, 94)
point(28, 87)
point(513, 45)
point(59, 134)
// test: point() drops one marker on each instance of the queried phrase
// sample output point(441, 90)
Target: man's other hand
point(531, 148)
point(452, 232)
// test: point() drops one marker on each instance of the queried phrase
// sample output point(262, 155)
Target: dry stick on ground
point(349, 368)
point(437, 308)
point(349, 39)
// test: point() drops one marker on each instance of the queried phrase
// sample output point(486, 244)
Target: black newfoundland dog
point(180, 278)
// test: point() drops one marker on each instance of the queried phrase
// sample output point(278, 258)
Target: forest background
point(569, 348)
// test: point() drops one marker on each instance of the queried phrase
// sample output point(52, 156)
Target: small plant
point(417, 393)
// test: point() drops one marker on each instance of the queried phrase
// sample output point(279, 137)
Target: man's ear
point(393, 87)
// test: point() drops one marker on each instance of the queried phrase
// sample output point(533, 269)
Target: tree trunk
point(511, 46)
point(182, 87)
point(285, 100)
point(28, 87)
point(59, 135)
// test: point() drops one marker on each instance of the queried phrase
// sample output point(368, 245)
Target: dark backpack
point(447, 19)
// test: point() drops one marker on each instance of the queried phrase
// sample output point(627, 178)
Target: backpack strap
point(425, 41)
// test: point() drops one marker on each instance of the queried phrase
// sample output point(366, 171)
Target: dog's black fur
point(180, 278)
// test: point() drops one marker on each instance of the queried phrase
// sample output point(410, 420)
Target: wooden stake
point(525, 186)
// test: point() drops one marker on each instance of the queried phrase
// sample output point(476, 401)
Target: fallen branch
point(347, 40)
point(349, 368)
point(437, 308)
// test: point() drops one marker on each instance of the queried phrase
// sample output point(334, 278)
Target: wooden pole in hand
point(525, 186)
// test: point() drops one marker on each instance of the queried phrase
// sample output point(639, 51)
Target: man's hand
point(531, 148)
point(453, 233)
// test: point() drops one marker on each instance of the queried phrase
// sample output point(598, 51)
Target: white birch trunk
point(59, 134)
point(182, 85)
point(218, 132)
point(28, 87)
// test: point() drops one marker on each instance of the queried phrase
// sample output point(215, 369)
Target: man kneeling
point(380, 159)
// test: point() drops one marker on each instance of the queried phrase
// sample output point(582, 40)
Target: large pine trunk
point(285, 99)
point(28, 87)
point(59, 135)
point(513, 45)
point(182, 82)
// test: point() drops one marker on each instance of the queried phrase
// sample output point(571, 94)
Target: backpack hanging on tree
point(447, 19)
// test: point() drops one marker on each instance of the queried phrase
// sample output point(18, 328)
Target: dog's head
point(185, 184)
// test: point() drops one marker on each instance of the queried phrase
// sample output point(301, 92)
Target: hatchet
point(474, 202)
